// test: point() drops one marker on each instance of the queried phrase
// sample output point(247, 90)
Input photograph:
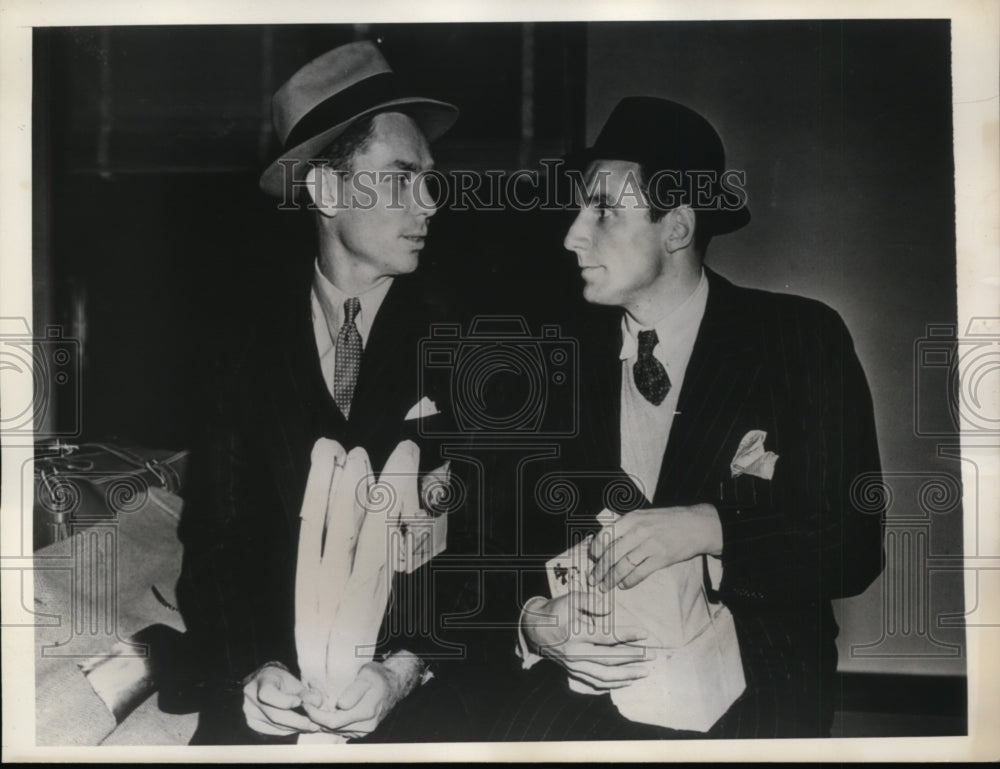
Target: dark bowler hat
point(664, 136)
point(322, 99)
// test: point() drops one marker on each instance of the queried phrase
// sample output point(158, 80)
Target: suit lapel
point(718, 377)
point(299, 408)
point(389, 372)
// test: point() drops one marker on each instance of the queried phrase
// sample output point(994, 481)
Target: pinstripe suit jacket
point(779, 363)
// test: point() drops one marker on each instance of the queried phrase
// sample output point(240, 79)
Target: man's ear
point(679, 226)
point(324, 186)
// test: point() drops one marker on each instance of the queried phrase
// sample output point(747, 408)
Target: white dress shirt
point(328, 316)
point(645, 428)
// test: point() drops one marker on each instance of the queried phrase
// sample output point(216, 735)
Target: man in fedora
point(339, 361)
point(742, 419)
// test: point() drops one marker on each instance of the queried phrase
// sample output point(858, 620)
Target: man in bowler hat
point(742, 417)
point(338, 360)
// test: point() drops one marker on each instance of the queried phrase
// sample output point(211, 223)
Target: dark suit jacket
point(240, 527)
point(778, 363)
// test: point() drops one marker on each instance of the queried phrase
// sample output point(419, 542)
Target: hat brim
point(433, 117)
point(718, 221)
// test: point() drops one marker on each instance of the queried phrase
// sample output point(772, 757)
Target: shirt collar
point(676, 330)
point(331, 301)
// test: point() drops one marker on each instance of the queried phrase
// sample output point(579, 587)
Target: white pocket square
point(425, 408)
point(752, 459)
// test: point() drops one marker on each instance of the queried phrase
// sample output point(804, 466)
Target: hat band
point(343, 106)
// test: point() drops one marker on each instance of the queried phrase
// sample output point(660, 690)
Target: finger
point(263, 727)
point(611, 673)
point(338, 720)
point(578, 614)
point(642, 570)
point(596, 684)
point(280, 679)
point(269, 693)
point(602, 541)
point(619, 655)
point(622, 568)
point(352, 695)
point(330, 720)
point(609, 536)
point(284, 721)
point(599, 681)
point(622, 544)
point(624, 634)
point(600, 606)
point(357, 731)
point(289, 719)
point(257, 721)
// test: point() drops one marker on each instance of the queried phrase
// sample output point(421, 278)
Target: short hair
point(702, 235)
point(339, 153)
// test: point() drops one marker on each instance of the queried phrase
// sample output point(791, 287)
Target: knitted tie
point(650, 377)
point(347, 358)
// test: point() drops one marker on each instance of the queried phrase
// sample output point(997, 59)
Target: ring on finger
point(630, 561)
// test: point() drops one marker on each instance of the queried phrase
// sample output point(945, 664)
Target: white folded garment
point(348, 540)
point(697, 673)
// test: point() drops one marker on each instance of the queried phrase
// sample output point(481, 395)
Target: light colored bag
point(346, 558)
point(691, 686)
point(697, 673)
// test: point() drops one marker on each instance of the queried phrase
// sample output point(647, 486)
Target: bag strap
point(705, 587)
point(161, 469)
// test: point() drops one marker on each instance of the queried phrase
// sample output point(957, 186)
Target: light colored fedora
point(322, 99)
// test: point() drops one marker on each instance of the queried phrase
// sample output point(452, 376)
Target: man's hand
point(646, 540)
point(270, 696)
point(585, 643)
point(362, 705)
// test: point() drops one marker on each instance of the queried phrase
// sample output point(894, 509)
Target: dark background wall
point(148, 145)
point(151, 236)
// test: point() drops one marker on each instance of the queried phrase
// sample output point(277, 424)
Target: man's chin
point(407, 263)
point(594, 295)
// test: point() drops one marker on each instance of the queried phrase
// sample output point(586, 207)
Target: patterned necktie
point(347, 358)
point(650, 377)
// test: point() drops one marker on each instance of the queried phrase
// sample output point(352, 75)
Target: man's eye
point(402, 178)
point(603, 212)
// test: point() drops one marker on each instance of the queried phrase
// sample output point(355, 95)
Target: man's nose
point(576, 237)
point(424, 202)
